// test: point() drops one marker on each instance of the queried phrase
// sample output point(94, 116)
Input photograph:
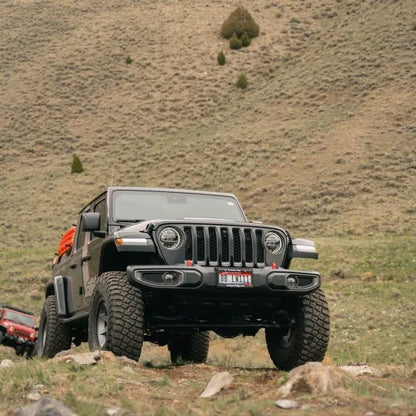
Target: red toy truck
point(17, 329)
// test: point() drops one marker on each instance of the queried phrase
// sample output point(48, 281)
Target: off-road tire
point(116, 318)
point(20, 350)
point(30, 352)
point(307, 339)
point(54, 336)
point(190, 348)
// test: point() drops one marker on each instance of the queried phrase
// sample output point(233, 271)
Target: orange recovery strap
point(66, 241)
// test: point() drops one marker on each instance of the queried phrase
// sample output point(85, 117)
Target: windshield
point(131, 206)
point(20, 319)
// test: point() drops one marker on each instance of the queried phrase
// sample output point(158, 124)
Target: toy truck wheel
point(116, 318)
point(190, 348)
point(54, 336)
point(1, 337)
point(307, 337)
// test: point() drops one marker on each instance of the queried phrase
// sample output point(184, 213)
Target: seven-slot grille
point(224, 246)
point(22, 333)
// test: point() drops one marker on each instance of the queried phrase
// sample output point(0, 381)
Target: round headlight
point(273, 242)
point(170, 238)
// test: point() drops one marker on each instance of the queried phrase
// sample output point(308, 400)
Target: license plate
point(235, 277)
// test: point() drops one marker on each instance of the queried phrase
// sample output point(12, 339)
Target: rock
point(110, 357)
point(369, 414)
point(63, 353)
point(357, 370)
point(34, 396)
point(314, 378)
point(218, 382)
point(86, 358)
point(116, 411)
point(286, 404)
point(128, 369)
point(6, 364)
point(127, 360)
point(45, 406)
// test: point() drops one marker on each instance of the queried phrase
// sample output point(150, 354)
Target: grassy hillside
point(322, 142)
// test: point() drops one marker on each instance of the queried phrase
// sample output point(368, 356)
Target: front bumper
point(12, 339)
point(204, 278)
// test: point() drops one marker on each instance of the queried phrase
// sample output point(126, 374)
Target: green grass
point(380, 257)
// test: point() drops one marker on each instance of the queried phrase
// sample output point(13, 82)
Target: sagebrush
point(76, 166)
point(221, 58)
point(239, 22)
point(235, 43)
point(242, 82)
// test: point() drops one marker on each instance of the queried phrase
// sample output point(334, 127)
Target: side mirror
point(90, 221)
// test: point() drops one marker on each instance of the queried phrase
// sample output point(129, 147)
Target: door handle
point(73, 265)
point(85, 258)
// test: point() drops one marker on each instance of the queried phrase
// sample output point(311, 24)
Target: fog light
point(169, 277)
point(291, 282)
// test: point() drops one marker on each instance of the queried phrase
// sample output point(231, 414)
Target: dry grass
point(323, 137)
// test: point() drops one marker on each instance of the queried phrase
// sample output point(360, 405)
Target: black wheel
point(191, 348)
point(54, 336)
point(1, 337)
point(29, 352)
point(116, 318)
point(306, 338)
point(20, 350)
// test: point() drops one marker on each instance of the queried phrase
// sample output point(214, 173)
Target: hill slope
point(322, 140)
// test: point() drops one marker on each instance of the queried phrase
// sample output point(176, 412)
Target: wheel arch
point(59, 287)
point(112, 259)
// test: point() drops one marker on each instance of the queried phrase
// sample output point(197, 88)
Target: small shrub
point(128, 60)
point(221, 58)
point(245, 40)
point(235, 43)
point(240, 21)
point(242, 82)
point(76, 165)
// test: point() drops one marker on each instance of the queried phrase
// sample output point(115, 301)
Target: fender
point(301, 248)
point(59, 287)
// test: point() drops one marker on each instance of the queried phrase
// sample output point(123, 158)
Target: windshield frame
point(118, 221)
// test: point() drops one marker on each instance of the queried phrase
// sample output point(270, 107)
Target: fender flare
point(58, 287)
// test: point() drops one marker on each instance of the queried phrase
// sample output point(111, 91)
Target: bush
point(221, 58)
point(242, 82)
point(245, 40)
point(235, 43)
point(128, 60)
point(76, 165)
point(240, 22)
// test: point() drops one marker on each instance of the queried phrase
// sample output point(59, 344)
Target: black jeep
point(167, 266)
